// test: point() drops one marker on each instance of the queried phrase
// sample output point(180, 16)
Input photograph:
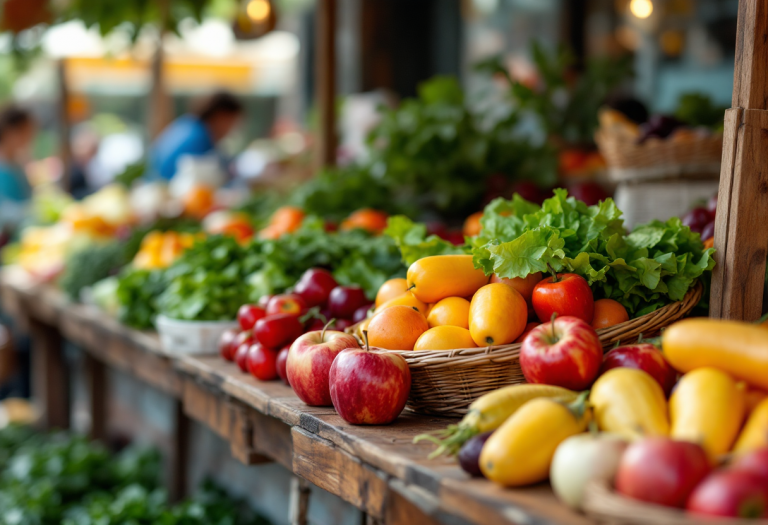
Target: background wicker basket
point(605, 506)
point(445, 382)
point(689, 154)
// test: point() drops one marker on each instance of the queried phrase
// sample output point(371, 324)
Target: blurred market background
point(174, 109)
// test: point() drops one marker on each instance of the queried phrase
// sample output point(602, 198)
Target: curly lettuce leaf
point(414, 243)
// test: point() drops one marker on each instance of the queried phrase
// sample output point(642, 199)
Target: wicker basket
point(445, 382)
point(605, 506)
point(689, 156)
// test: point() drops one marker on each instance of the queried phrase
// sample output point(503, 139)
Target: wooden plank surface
point(377, 469)
point(742, 212)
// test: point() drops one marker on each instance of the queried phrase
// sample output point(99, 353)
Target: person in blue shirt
point(195, 133)
point(17, 132)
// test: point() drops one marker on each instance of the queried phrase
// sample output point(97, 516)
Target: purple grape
point(469, 455)
point(696, 219)
point(708, 232)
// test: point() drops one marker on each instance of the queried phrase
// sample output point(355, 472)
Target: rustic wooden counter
point(377, 469)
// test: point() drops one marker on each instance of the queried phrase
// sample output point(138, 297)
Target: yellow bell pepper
point(630, 403)
point(740, 349)
point(755, 433)
point(707, 408)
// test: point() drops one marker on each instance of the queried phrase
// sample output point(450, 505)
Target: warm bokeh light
point(258, 10)
point(641, 8)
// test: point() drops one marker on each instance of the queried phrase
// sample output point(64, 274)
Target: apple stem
point(552, 322)
point(367, 347)
point(554, 273)
point(329, 323)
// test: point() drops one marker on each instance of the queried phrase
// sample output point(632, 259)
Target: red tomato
point(262, 362)
point(567, 295)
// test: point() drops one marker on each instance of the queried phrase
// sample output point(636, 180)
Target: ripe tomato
point(567, 294)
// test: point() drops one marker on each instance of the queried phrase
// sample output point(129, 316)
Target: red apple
point(227, 344)
point(262, 362)
point(527, 330)
point(755, 462)
point(315, 286)
point(567, 295)
point(731, 493)
point(241, 357)
point(344, 300)
point(309, 363)
point(661, 471)
point(645, 357)
point(282, 358)
point(313, 325)
point(565, 352)
point(361, 314)
point(368, 386)
point(248, 314)
point(278, 330)
point(287, 304)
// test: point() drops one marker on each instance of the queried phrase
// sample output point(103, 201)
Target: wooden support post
point(96, 379)
point(178, 453)
point(65, 127)
point(299, 501)
point(742, 211)
point(325, 81)
point(159, 103)
point(50, 376)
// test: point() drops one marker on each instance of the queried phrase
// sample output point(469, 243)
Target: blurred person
point(17, 132)
point(195, 133)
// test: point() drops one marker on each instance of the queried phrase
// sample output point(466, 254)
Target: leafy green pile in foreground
point(48, 479)
point(652, 266)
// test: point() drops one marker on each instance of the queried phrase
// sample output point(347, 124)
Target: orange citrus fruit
point(453, 311)
point(445, 338)
point(397, 328)
point(373, 221)
point(524, 285)
point(391, 289)
point(472, 225)
point(406, 299)
point(608, 313)
point(199, 201)
point(287, 219)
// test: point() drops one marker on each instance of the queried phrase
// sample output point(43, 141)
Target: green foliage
point(566, 108)
point(131, 173)
point(697, 109)
point(414, 243)
point(91, 264)
point(137, 293)
point(52, 479)
point(652, 266)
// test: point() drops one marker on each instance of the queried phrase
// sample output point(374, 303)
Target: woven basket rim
point(608, 336)
point(605, 505)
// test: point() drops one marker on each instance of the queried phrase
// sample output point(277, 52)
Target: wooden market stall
point(379, 470)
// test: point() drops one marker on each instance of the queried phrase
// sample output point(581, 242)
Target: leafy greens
point(655, 264)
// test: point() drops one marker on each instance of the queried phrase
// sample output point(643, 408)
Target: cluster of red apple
point(287, 336)
point(679, 474)
point(269, 327)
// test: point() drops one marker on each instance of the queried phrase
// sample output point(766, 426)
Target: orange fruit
point(497, 315)
point(199, 201)
point(391, 289)
point(445, 338)
point(608, 313)
point(524, 285)
point(753, 397)
point(451, 311)
point(406, 299)
point(287, 219)
point(709, 243)
point(397, 328)
point(270, 232)
point(373, 221)
point(472, 226)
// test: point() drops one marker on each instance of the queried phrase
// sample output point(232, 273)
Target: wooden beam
point(742, 211)
point(325, 82)
point(98, 392)
point(50, 376)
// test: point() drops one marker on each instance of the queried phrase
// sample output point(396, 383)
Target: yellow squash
point(520, 452)
point(755, 433)
point(497, 315)
point(740, 349)
point(707, 408)
point(490, 411)
point(629, 402)
point(434, 278)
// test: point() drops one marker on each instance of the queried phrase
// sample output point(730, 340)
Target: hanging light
point(255, 18)
point(258, 10)
point(641, 8)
